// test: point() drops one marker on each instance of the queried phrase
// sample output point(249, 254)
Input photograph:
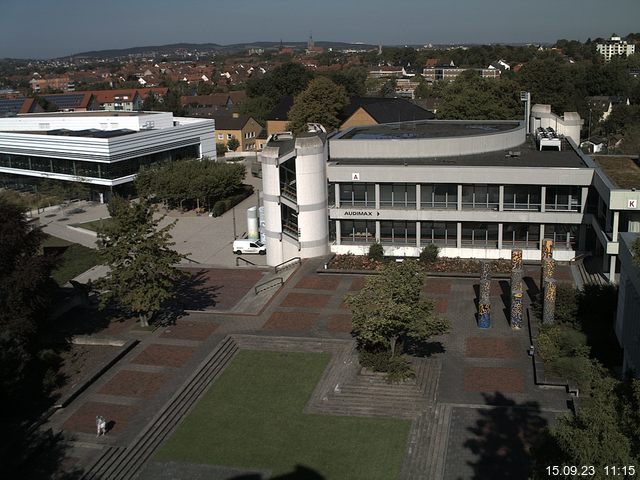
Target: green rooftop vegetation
point(622, 170)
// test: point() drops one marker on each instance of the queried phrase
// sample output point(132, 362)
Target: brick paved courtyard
point(481, 370)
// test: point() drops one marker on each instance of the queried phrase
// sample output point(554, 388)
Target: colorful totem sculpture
point(484, 304)
point(516, 309)
point(549, 306)
point(517, 288)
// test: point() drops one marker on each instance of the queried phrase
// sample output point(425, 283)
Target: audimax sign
point(360, 213)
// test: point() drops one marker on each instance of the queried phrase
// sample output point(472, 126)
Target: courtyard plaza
point(473, 409)
point(205, 240)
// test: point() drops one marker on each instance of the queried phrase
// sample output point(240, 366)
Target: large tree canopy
point(321, 102)
point(142, 273)
point(390, 309)
point(197, 182)
point(471, 97)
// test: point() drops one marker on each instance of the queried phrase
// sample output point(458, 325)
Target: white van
point(248, 246)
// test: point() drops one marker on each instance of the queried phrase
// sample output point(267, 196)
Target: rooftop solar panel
point(10, 106)
point(71, 100)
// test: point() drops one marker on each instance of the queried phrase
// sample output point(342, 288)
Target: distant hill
point(210, 47)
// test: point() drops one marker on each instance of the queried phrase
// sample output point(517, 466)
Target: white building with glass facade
point(102, 149)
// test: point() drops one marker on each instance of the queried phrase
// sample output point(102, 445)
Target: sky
point(55, 28)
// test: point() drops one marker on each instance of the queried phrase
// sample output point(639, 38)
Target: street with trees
point(142, 275)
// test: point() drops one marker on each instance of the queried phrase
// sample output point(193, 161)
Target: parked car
point(249, 246)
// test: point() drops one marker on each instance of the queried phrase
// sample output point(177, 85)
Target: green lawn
point(252, 418)
point(74, 258)
point(94, 224)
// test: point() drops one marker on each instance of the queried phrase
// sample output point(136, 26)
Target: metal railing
point(274, 282)
point(289, 263)
point(240, 259)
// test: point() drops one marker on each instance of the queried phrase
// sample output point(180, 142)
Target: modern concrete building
point(100, 148)
point(628, 315)
point(295, 196)
point(476, 189)
point(614, 47)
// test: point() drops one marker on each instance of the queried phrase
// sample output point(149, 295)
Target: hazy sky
point(52, 28)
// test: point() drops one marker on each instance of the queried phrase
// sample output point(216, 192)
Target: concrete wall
point(80, 121)
point(428, 147)
point(569, 125)
point(628, 315)
point(312, 196)
point(271, 197)
point(460, 174)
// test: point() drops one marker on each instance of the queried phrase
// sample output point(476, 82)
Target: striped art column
point(549, 306)
point(517, 287)
point(516, 309)
point(484, 303)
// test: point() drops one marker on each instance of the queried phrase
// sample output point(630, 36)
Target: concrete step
point(125, 463)
point(435, 449)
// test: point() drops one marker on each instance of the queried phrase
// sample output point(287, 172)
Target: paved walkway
point(473, 402)
point(206, 240)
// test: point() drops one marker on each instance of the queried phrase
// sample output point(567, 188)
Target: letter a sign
point(632, 203)
point(355, 177)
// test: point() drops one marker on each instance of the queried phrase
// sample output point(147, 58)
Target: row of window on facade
point(445, 234)
point(81, 168)
point(445, 196)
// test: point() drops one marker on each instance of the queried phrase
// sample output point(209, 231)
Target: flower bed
point(443, 264)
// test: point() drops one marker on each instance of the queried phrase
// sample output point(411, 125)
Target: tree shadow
point(194, 293)
point(300, 473)
point(40, 455)
point(423, 349)
point(505, 296)
point(532, 288)
point(87, 320)
point(503, 438)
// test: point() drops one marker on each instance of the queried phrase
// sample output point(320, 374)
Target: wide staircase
point(119, 463)
point(590, 271)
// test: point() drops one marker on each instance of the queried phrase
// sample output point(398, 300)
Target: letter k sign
point(632, 203)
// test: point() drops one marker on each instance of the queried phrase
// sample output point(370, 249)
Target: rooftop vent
point(280, 136)
point(548, 139)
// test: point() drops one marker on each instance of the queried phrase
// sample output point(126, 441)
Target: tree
point(287, 79)
point(233, 144)
point(635, 249)
point(470, 97)
point(376, 252)
point(221, 149)
point(390, 309)
point(151, 102)
point(142, 275)
point(258, 107)
point(353, 79)
point(26, 292)
point(194, 182)
point(601, 433)
point(321, 102)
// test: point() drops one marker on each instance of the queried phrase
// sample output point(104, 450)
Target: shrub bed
point(228, 203)
point(397, 368)
point(350, 261)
